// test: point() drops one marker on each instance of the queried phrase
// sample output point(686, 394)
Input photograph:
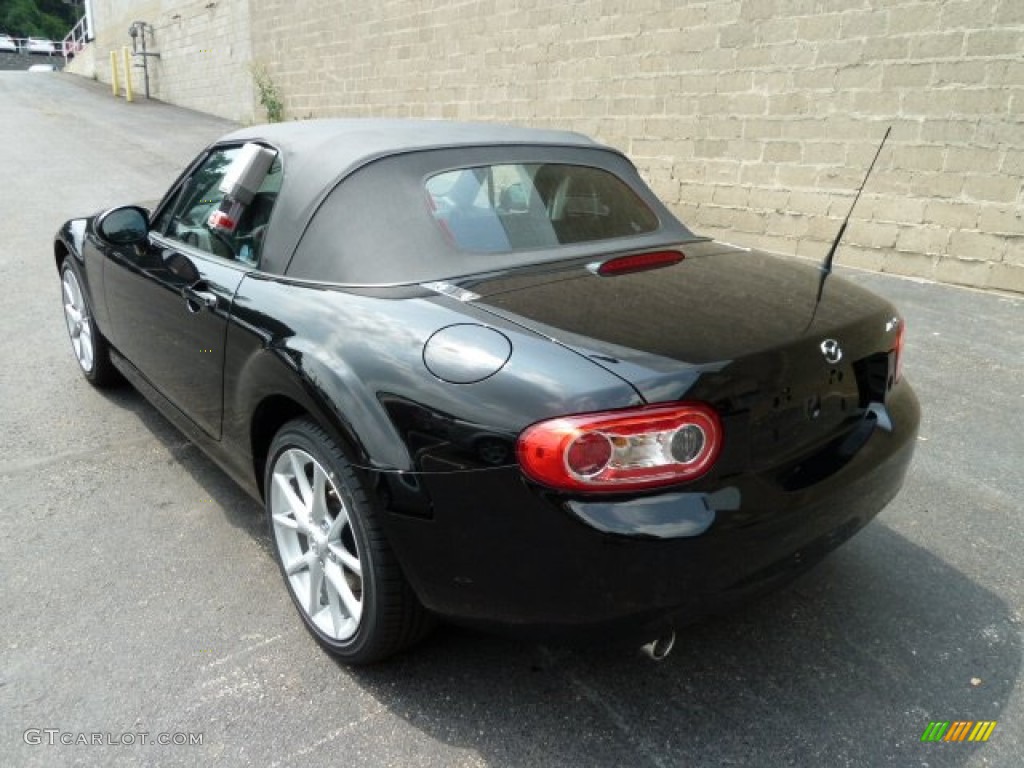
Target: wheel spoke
point(318, 505)
point(338, 524)
point(296, 507)
point(347, 559)
point(316, 578)
point(85, 336)
point(300, 563)
point(299, 470)
point(289, 522)
point(334, 605)
point(336, 578)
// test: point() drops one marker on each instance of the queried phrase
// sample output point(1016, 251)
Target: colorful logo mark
point(958, 730)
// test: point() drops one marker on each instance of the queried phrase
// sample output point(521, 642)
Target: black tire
point(390, 616)
point(96, 366)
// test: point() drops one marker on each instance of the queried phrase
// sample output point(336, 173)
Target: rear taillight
point(623, 450)
point(900, 335)
point(638, 262)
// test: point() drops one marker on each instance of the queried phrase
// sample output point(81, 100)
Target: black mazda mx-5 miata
point(481, 372)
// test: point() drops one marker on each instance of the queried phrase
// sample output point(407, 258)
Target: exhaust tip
point(659, 648)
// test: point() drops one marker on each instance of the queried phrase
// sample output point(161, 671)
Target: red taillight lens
point(638, 262)
point(588, 454)
point(623, 450)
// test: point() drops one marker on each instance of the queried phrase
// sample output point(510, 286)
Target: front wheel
point(90, 348)
point(342, 576)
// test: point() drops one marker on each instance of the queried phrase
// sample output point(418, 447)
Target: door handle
point(196, 298)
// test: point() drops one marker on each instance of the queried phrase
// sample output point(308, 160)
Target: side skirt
point(213, 449)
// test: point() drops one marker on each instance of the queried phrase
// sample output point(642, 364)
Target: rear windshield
point(452, 212)
point(501, 208)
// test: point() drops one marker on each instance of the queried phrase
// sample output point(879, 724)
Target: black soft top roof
point(381, 205)
point(318, 154)
point(345, 144)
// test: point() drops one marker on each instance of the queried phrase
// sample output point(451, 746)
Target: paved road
point(140, 595)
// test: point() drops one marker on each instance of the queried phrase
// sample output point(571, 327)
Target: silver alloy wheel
point(76, 314)
point(316, 544)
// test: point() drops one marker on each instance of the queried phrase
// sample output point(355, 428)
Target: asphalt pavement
point(140, 596)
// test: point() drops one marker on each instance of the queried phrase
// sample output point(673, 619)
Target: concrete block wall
point(84, 63)
point(754, 119)
point(204, 45)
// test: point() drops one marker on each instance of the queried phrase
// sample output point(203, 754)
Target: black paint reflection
point(442, 441)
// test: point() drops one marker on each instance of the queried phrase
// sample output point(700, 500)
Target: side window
point(199, 197)
point(193, 217)
point(160, 225)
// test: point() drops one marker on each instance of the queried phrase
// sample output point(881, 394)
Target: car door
point(169, 301)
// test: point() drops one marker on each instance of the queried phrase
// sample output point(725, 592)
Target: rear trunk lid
point(741, 329)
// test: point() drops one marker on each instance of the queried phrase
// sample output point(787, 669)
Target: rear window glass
point(500, 208)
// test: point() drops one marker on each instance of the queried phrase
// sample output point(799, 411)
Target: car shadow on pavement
point(240, 509)
point(847, 666)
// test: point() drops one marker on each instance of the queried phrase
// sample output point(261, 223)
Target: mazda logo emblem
point(831, 350)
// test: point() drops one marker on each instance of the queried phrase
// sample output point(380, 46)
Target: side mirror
point(127, 225)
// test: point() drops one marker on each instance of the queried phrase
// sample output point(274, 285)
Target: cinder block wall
point(204, 45)
point(754, 119)
point(84, 64)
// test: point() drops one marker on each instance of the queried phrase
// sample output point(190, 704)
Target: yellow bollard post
point(113, 73)
point(127, 56)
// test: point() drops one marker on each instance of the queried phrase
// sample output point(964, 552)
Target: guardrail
point(35, 45)
point(73, 42)
point(76, 39)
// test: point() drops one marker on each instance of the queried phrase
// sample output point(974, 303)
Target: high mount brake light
point(639, 262)
point(627, 450)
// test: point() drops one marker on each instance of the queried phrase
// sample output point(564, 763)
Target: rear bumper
point(501, 551)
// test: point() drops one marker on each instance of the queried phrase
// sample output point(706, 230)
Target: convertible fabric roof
point(344, 144)
point(318, 154)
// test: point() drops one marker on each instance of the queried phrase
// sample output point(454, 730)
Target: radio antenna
point(827, 266)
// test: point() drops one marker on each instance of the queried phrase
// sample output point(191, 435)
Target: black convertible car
point(481, 372)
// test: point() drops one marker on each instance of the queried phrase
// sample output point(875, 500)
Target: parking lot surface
point(140, 594)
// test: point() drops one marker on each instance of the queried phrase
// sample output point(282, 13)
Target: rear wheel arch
point(271, 414)
point(265, 389)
